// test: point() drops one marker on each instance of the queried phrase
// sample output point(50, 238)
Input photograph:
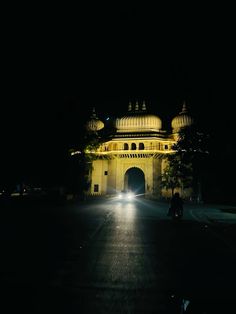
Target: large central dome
point(138, 121)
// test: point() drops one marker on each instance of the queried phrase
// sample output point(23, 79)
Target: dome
point(138, 121)
point(94, 124)
point(182, 120)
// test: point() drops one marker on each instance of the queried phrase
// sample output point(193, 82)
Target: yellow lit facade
point(133, 157)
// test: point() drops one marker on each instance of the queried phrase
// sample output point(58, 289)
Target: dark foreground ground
point(109, 257)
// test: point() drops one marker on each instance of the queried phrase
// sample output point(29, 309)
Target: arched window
point(141, 146)
point(126, 146)
point(133, 146)
point(115, 146)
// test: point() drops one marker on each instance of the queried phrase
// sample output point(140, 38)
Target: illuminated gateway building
point(132, 159)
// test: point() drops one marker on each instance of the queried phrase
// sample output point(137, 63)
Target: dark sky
point(60, 65)
point(161, 54)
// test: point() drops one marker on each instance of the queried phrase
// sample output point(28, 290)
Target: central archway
point(135, 180)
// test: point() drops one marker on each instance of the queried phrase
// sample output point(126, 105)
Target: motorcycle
point(175, 213)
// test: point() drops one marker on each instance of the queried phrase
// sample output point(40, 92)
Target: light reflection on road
point(122, 253)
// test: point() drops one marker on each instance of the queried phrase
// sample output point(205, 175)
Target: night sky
point(104, 57)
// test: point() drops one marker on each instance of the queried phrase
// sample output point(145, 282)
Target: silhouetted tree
point(176, 174)
point(170, 179)
point(186, 165)
point(192, 148)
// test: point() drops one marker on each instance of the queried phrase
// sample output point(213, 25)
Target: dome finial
point(93, 113)
point(129, 106)
point(184, 108)
point(144, 106)
point(136, 106)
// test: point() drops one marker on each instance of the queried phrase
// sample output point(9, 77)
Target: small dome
point(182, 120)
point(94, 124)
point(138, 121)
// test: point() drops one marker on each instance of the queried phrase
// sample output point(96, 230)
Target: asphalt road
point(108, 256)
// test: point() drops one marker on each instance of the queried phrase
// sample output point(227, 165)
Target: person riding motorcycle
point(176, 206)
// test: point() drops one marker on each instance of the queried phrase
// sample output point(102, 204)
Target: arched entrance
point(135, 180)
